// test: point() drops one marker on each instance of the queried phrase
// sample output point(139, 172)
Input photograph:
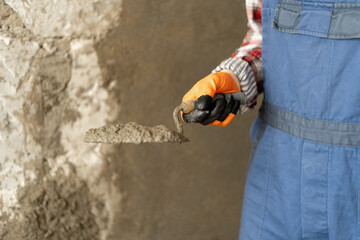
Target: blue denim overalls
point(303, 177)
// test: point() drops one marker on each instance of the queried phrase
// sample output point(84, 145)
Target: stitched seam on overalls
point(330, 148)
point(329, 82)
point(357, 35)
point(301, 185)
point(357, 192)
point(270, 156)
point(297, 3)
point(332, 17)
point(285, 29)
point(300, 31)
point(330, 160)
point(316, 238)
point(347, 5)
point(315, 33)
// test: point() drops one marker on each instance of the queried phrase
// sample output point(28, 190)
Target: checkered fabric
point(245, 62)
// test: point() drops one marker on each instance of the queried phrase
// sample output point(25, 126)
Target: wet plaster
point(133, 133)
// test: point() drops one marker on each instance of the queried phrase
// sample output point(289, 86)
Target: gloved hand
point(216, 100)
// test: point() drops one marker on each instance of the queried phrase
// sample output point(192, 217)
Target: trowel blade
point(133, 133)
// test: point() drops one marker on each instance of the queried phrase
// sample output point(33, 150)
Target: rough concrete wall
point(67, 66)
point(51, 92)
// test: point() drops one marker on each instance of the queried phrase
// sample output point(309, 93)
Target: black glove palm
point(208, 110)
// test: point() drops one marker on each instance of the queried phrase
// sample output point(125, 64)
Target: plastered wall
point(67, 66)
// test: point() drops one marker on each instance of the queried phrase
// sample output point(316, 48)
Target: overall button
point(309, 192)
point(309, 170)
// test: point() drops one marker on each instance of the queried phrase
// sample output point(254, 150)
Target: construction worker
point(304, 174)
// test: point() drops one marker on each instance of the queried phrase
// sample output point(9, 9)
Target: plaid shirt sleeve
point(245, 62)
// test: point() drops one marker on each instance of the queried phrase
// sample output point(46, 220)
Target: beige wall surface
point(190, 191)
point(98, 62)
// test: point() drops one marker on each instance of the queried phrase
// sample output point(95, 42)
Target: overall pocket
point(319, 19)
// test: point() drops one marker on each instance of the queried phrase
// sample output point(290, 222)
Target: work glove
point(215, 98)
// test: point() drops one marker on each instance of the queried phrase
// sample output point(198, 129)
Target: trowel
point(135, 133)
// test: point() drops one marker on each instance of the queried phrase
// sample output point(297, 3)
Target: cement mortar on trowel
point(133, 133)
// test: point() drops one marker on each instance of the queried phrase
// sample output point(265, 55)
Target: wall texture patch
point(51, 92)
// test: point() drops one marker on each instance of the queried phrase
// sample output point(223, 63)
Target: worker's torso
point(303, 181)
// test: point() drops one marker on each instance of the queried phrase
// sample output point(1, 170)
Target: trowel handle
point(185, 107)
point(188, 107)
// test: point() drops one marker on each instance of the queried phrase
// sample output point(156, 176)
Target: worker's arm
point(245, 62)
point(242, 72)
